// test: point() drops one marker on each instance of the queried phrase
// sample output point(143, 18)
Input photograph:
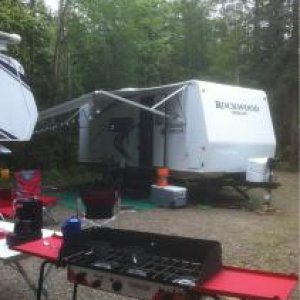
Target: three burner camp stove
point(139, 264)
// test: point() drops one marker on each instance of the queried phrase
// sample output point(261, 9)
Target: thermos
point(71, 228)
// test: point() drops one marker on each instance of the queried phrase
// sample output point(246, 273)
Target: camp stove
point(139, 264)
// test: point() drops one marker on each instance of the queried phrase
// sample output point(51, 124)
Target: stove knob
point(96, 283)
point(117, 286)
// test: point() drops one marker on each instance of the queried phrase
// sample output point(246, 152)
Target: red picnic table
point(230, 281)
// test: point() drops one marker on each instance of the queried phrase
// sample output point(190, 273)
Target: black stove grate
point(152, 257)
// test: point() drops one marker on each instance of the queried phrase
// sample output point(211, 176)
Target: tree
point(109, 44)
point(275, 65)
point(60, 58)
point(34, 52)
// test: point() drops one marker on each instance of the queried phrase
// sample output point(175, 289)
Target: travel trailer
point(18, 113)
point(194, 127)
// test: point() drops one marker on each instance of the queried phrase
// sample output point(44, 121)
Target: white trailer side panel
point(175, 141)
point(224, 126)
point(195, 140)
point(18, 113)
point(238, 126)
point(183, 140)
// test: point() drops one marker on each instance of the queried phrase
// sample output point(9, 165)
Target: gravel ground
point(267, 242)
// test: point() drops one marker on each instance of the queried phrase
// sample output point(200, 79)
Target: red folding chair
point(29, 185)
point(6, 204)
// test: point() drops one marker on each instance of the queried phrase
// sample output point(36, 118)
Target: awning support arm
point(136, 104)
point(168, 97)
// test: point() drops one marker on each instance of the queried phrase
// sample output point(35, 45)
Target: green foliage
point(109, 44)
point(275, 64)
point(118, 45)
point(35, 52)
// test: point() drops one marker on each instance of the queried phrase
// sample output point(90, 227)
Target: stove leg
point(75, 287)
point(32, 286)
point(41, 279)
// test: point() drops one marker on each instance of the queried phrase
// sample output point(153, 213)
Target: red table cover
point(230, 281)
point(46, 248)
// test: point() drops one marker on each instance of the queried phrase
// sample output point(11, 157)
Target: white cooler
point(169, 196)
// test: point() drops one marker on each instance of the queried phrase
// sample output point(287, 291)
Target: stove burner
point(137, 272)
point(186, 281)
point(105, 265)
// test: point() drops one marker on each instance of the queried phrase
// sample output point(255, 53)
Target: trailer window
point(120, 125)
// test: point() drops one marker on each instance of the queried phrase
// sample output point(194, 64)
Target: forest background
point(111, 44)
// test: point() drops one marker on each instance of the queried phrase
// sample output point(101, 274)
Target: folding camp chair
point(6, 210)
point(29, 185)
point(6, 204)
point(101, 207)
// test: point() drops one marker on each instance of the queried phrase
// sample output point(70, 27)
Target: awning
point(127, 96)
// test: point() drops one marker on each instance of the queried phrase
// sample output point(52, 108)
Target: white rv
point(193, 126)
point(18, 112)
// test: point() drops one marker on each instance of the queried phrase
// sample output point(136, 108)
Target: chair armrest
point(16, 194)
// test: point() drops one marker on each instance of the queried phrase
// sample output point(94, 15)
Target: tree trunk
point(294, 125)
point(59, 51)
